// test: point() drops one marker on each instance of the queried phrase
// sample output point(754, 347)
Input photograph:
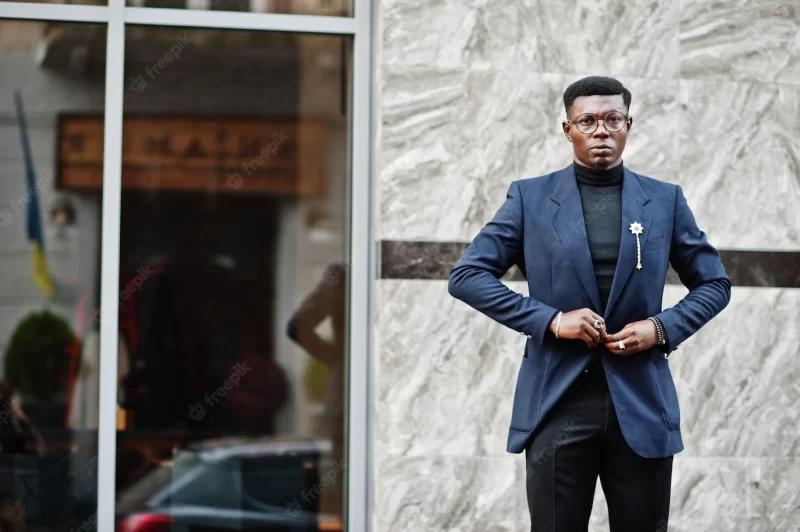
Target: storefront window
point(233, 280)
point(79, 2)
point(336, 8)
point(50, 259)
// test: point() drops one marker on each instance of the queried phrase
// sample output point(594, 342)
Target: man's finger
point(622, 352)
point(592, 318)
point(612, 342)
point(628, 351)
point(586, 338)
point(621, 335)
point(615, 345)
point(595, 335)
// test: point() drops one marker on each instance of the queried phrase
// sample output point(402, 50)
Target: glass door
point(50, 259)
point(201, 236)
point(233, 269)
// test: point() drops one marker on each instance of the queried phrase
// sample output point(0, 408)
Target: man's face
point(601, 148)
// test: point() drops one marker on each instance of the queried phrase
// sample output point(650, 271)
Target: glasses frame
point(597, 119)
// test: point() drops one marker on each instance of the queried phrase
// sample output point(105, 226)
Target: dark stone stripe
point(433, 260)
point(779, 269)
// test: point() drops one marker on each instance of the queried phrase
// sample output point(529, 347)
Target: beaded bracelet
point(659, 330)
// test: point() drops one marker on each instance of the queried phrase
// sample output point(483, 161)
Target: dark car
point(254, 485)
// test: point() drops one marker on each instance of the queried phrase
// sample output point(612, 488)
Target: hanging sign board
point(234, 156)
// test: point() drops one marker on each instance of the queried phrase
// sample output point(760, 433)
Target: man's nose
point(601, 130)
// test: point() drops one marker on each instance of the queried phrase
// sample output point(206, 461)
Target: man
point(594, 394)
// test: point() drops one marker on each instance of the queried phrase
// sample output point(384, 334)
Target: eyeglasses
point(587, 123)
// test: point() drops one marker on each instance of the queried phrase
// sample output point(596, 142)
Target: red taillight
point(145, 523)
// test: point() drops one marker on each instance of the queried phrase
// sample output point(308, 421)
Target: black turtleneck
point(601, 199)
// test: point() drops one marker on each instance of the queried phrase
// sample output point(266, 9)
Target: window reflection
point(49, 255)
point(234, 212)
point(326, 371)
point(337, 8)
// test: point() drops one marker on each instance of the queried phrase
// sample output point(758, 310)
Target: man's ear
point(565, 127)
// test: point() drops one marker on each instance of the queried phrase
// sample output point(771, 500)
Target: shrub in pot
point(37, 363)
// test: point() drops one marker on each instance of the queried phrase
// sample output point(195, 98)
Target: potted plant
point(39, 357)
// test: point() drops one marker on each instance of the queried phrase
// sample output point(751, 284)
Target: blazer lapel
point(569, 224)
point(633, 201)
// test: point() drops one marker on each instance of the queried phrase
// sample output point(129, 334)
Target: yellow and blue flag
point(41, 273)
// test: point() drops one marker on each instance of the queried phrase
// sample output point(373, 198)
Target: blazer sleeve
point(475, 277)
point(700, 269)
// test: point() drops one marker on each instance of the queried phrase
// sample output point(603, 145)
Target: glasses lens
point(614, 121)
point(586, 123)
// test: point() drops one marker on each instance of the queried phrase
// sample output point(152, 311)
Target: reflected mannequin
point(328, 300)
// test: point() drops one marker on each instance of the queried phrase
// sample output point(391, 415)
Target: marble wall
point(469, 99)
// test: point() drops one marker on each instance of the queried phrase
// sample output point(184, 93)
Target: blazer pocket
point(528, 394)
point(667, 395)
point(654, 244)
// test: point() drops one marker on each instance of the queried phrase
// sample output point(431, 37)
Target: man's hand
point(637, 336)
point(579, 325)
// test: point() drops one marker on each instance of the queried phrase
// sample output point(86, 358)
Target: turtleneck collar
point(598, 177)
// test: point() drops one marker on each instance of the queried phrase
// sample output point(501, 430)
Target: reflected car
point(231, 484)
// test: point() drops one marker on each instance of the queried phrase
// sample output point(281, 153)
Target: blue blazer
point(540, 228)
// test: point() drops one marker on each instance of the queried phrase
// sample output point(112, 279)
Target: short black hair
point(595, 86)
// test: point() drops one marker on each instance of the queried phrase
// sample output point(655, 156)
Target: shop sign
point(225, 155)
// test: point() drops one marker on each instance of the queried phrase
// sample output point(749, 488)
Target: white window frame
point(361, 244)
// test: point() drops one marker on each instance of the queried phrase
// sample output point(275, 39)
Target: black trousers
point(579, 441)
